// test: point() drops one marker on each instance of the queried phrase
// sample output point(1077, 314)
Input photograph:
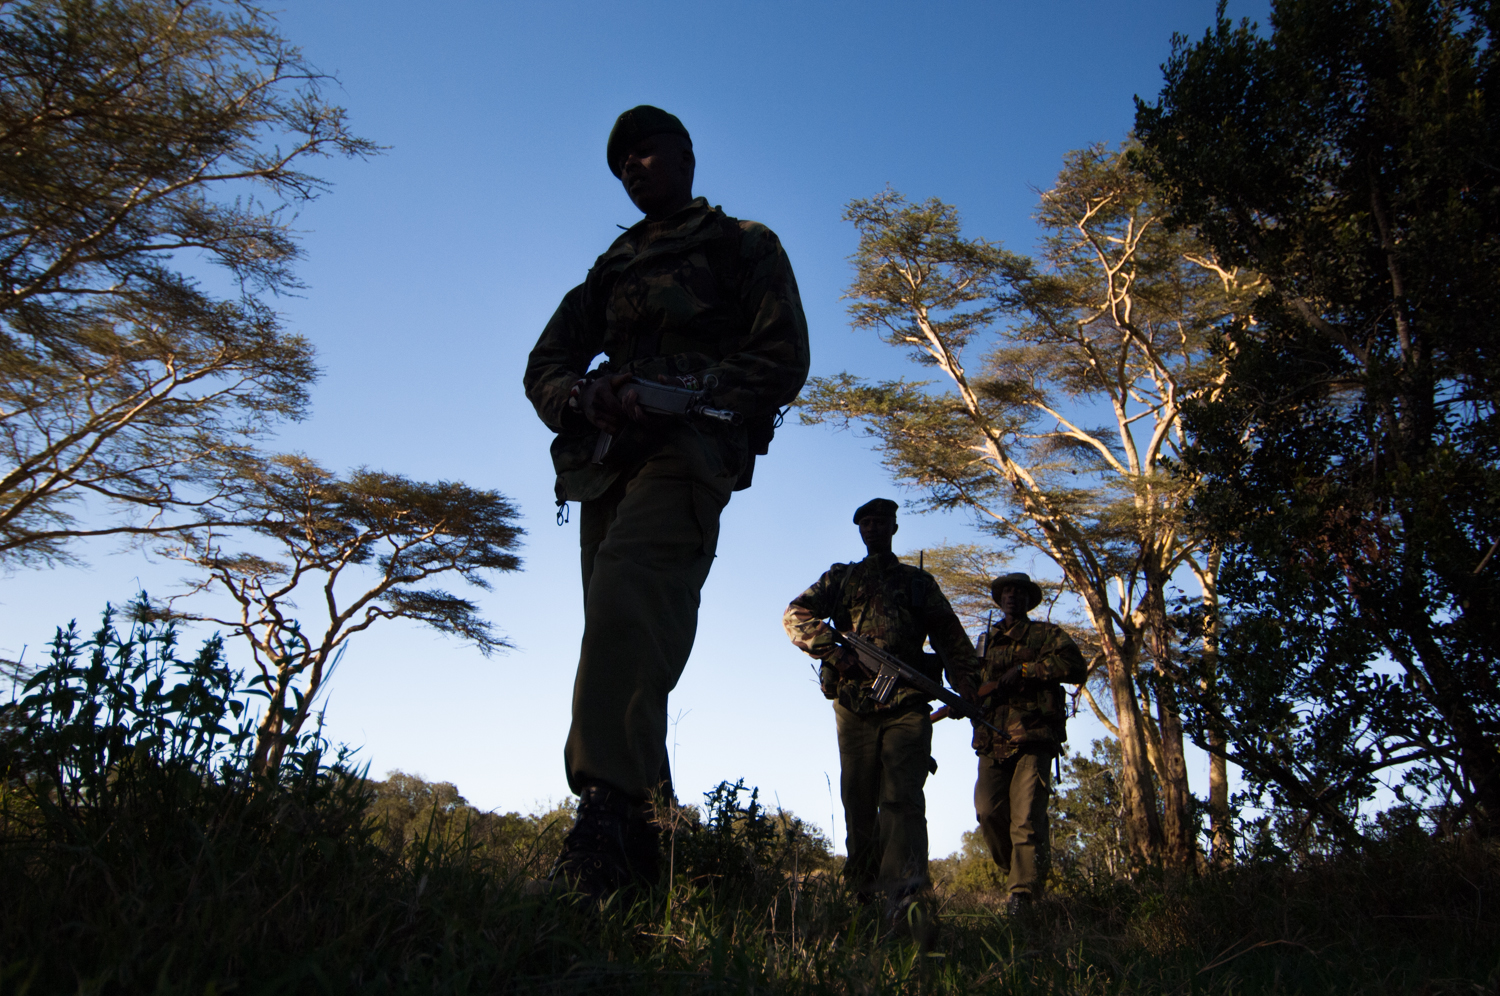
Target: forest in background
point(1242, 400)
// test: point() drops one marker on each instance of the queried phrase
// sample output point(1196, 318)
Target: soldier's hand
point(844, 659)
point(608, 410)
point(1010, 680)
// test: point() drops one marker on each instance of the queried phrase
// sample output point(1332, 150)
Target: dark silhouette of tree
point(363, 548)
point(1350, 465)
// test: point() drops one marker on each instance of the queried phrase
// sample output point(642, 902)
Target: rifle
point(888, 669)
point(988, 688)
point(663, 399)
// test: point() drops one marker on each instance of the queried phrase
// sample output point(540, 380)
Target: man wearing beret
point(695, 299)
point(1022, 665)
point(884, 749)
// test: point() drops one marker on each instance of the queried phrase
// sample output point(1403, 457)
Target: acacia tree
point(139, 138)
point(364, 548)
point(1114, 323)
point(1351, 463)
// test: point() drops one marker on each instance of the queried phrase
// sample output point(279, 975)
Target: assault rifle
point(888, 669)
point(663, 399)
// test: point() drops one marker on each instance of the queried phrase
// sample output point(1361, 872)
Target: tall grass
point(139, 858)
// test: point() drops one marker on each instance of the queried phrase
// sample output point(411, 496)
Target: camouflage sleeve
point(768, 367)
point(947, 634)
point(1058, 660)
point(561, 356)
point(803, 619)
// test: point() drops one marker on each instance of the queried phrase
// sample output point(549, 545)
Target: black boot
point(612, 845)
point(593, 859)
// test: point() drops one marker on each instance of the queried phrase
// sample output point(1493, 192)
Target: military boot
point(612, 846)
point(593, 860)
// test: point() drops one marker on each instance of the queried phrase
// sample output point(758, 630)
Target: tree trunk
point(1178, 828)
point(1221, 848)
point(1137, 793)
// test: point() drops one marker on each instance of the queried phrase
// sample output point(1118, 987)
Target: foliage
point(1088, 848)
point(1349, 460)
point(370, 545)
point(102, 705)
point(143, 142)
point(409, 813)
point(970, 870)
point(160, 882)
point(734, 846)
point(1114, 322)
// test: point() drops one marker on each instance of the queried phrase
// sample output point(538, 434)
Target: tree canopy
point(1349, 464)
point(148, 149)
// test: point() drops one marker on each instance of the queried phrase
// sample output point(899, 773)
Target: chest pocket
point(674, 300)
point(911, 597)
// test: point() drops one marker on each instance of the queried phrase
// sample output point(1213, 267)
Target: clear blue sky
point(432, 269)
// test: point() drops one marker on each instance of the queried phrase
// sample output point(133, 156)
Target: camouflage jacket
point(697, 293)
point(1036, 713)
point(893, 605)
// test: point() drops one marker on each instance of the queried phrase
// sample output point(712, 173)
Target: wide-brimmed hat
point(1017, 580)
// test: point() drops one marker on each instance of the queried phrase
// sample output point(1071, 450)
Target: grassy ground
point(137, 855)
point(187, 888)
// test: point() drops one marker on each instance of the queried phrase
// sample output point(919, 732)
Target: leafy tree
point(969, 869)
point(143, 142)
point(1087, 838)
point(368, 546)
point(1349, 462)
point(1114, 323)
point(420, 818)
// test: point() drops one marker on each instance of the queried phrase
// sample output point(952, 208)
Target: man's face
point(1012, 601)
point(876, 531)
point(657, 173)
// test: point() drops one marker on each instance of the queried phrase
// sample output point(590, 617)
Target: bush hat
point(1017, 580)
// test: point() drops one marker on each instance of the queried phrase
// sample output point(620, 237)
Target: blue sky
point(431, 270)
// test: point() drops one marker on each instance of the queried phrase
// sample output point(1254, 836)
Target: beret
point(875, 506)
point(1017, 580)
point(639, 122)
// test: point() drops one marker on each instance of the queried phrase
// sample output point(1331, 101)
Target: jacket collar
point(680, 222)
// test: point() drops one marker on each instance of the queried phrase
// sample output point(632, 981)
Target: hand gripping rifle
point(663, 399)
point(888, 669)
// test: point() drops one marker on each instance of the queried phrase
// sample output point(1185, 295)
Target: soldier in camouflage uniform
point(884, 750)
point(1022, 665)
point(692, 298)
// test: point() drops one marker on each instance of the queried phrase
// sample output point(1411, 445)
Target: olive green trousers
point(647, 545)
point(884, 758)
point(1010, 799)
